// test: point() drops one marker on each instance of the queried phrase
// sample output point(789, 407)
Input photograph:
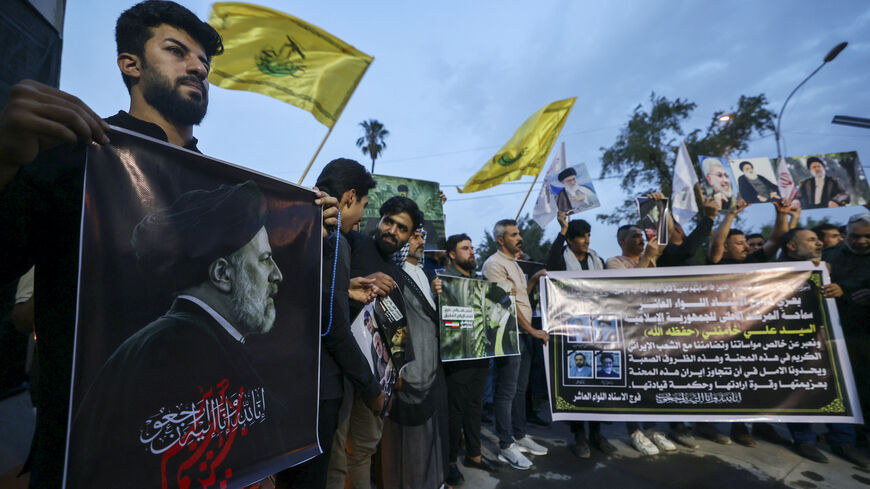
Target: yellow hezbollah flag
point(526, 151)
point(278, 55)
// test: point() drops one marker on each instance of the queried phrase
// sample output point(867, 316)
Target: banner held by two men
point(715, 343)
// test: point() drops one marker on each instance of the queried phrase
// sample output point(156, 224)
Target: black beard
point(468, 265)
point(175, 107)
point(386, 248)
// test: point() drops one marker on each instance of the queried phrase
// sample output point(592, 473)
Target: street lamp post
point(828, 58)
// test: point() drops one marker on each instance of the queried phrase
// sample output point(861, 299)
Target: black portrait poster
point(197, 332)
point(715, 343)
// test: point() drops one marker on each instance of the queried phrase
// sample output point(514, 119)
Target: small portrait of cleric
point(575, 195)
point(605, 329)
point(580, 364)
point(579, 329)
point(212, 248)
point(607, 365)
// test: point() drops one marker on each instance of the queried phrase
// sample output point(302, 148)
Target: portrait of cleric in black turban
point(187, 381)
point(573, 190)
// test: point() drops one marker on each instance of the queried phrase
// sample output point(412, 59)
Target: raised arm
point(780, 227)
point(717, 245)
point(794, 215)
point(555, 260)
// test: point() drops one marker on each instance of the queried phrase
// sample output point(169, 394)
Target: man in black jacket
point(466, 380)
point(572, 246)
point(164, 54)
point(341, 358)
point(801, 244)
point(681, 248)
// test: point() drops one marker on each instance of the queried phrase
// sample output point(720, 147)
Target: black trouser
point(465, 384)
point(594, 428)
point(312, 474)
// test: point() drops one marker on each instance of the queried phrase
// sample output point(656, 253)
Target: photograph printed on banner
point(756, 180)
point(653, 218)
point(716, 182)
point(829, 180)
point(580, 364)
point(191, 330)
point(580, 329)
point(424, 193)
point(605, 329)
point(573, 189)
point(607, 364)
point(478, 319)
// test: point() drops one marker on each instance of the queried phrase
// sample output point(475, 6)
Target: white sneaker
point(662, 442)
point(527, 445)
point(512, 456)
point(642, 444)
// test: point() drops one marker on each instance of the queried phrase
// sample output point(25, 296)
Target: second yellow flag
point(525, 152)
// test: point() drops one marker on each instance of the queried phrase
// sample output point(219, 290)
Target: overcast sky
point(452, 81)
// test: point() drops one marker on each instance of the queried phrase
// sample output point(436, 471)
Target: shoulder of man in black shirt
point(555, 259)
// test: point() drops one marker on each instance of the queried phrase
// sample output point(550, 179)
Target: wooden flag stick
point(527, 196)
point(330, 129)
point(316, 153)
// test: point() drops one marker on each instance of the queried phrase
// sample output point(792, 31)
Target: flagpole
point(333, 125)
point(316, 153)
point(527, 196)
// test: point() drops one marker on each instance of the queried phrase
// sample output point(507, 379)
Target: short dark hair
point(577, 228)
point(134, 29)
point(453, 241)
point(398, 204)
point(821, 228)
point(623, 231)
point(732, 232)
point(789, 237)
point(605, 355)
point(402, 188)
point(815, 159)
point(343, 174)
point(754, 235)
point(743, 163)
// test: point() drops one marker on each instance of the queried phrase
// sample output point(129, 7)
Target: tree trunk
point(373, 165)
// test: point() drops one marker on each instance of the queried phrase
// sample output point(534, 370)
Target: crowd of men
point(436, 412)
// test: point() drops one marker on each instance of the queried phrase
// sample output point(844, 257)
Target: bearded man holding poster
point(41, 183)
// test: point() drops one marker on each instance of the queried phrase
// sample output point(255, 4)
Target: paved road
point(712, 466)
point(766, 466)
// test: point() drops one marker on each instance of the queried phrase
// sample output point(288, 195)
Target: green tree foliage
point(372, 142)
point(534, 244)
point(646, 148)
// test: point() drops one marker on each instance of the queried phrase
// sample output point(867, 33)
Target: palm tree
point(372, 143)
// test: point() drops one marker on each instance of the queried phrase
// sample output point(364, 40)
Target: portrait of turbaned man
point(573, 190)
point(189, 322)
